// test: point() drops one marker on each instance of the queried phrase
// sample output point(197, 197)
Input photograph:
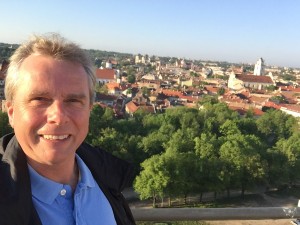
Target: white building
point(259, 68)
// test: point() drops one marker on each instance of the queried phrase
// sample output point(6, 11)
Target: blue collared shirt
point(57, 205)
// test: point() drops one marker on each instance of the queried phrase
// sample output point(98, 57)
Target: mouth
point(55, 137)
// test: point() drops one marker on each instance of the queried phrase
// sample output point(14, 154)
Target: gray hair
point(52, 45)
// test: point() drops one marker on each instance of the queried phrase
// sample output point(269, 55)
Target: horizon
point(237, 32)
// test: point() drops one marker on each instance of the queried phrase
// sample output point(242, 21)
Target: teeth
point(55, 137)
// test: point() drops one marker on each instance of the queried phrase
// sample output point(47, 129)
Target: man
point(47, 174)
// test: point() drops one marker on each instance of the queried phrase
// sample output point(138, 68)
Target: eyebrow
point(46, 93)
point(77, 96)
point(38, 93)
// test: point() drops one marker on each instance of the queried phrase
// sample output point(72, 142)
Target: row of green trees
point(186, 150)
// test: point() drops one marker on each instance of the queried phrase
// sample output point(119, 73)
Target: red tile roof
point(291, 107)
point(243, 111)
point(132, 107)
point(178, 94)
point(147, 108)
point(290, 88)
point(107, 74)
point(255, 79)
point(290, 96)
point(259, 100)
point(211, 89)
point(171, 92)
point(113, 86)
point(272, 105)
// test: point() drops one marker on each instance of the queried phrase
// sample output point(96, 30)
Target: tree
point(95, 123)
point(194, 74)
point(278, 99)
point(240, 154)
point(98, 62)
point(145, 91)
point(208, 164)
point(271, 88)
point(229, 128)
point(153, 179)
point(274, 125)
point(290, 162)
point(130, 150)
point(247, 125)
point(221, 91)
point(289, 77)
point(174, 117)
point(181, 141)
point(214, 115)
point(152, 122)
point(278, 168)
point(130, 126)
point(5, 128)
point(183, 172)
point(131, 78)
point(108, 117)
point(108, 140)
point(207, 146)
point(153, 143)
point(129, 91)
point(191, 121)
point(207, 99)
point(101, 88)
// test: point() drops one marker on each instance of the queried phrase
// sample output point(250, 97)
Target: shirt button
point(63, 192)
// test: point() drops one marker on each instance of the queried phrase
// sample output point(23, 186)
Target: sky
point(236, 31)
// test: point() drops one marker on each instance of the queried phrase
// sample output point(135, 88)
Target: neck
point(66, 173)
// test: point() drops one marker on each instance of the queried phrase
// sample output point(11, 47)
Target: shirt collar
point(47, 190)
point(43, 188)
point(86, 177)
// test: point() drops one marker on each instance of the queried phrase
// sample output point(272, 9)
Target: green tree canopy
point(274, 125)
point(153, 179)
point(5, 128)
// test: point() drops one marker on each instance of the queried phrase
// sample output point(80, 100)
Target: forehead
point(45, 72)
point(39, 65)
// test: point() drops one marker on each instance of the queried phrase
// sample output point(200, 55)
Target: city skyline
point(233, 31)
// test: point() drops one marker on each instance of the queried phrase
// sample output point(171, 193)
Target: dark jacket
point(16, 206)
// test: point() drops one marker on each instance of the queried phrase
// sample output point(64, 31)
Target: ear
point(10, 112)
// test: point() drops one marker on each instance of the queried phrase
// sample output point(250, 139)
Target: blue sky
point(238, 31)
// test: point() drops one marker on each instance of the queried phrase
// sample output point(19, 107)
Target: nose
point(56, 113)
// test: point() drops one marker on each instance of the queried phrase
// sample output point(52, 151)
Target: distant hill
point(6, 50)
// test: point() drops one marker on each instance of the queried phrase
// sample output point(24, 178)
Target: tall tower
point(259, 68)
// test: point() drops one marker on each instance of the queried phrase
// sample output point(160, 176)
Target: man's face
point(50, 110)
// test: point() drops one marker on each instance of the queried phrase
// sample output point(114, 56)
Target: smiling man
point(48, 175)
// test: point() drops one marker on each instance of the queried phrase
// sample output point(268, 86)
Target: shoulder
point(108, 169)
point(4, 142)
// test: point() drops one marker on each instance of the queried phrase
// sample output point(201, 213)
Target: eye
point(39, 101)
point(76, 100)
point(42, 99)
point(73, 100)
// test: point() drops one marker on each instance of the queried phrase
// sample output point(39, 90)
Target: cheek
point(27, 119)
point(81, 119)
point(85, 122)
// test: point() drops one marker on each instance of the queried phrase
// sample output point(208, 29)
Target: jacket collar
point(15, 190)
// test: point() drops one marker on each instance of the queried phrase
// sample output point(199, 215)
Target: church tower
point(259, 68)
